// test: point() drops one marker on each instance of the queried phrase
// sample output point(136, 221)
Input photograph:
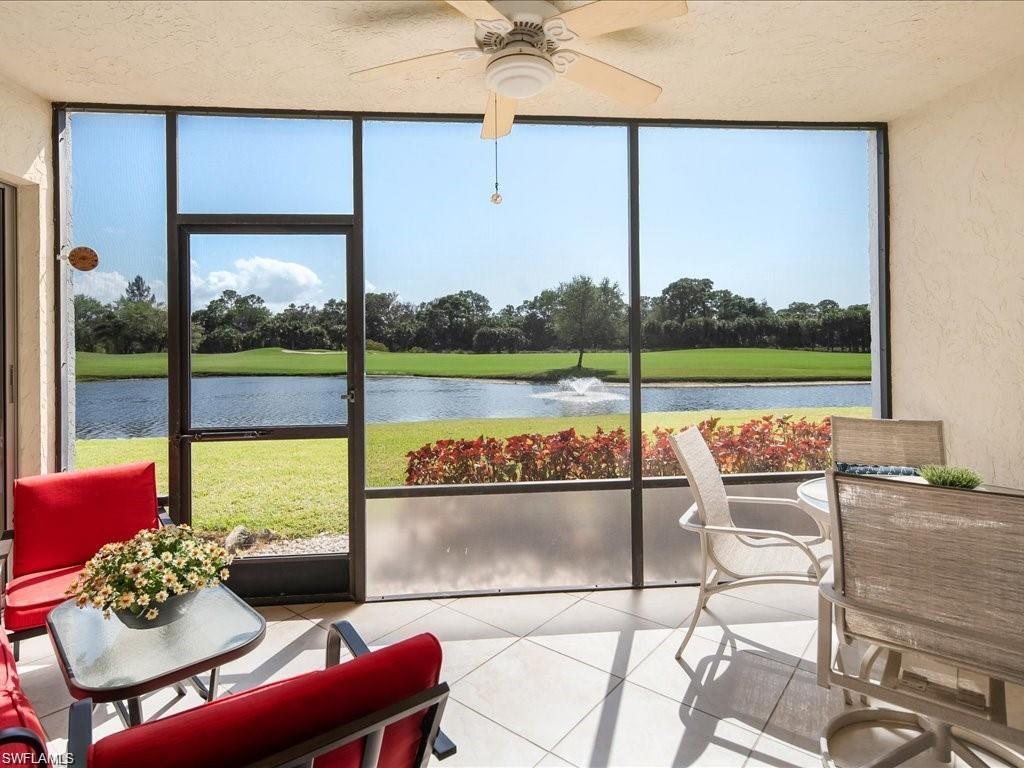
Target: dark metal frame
point(359, 493)
point(8, 337)
point(302, 755)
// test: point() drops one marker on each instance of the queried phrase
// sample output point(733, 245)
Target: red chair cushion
point(30, 597)
point(242, 728)
point(62, 519)
point(15, 709)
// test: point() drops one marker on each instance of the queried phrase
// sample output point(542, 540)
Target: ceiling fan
point(520, 43)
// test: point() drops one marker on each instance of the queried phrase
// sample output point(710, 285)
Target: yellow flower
point(143, 600)
point(162, 596)
point(166, 557)
point(224, 573)
point(152, 613)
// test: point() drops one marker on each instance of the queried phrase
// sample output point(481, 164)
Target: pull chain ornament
point(496, 198)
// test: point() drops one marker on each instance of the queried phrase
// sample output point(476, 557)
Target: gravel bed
point(323, 543)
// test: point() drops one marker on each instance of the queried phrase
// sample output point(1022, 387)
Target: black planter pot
point(171, 610)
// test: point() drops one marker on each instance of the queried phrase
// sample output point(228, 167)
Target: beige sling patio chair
point(746, 556)
point(896, 442)
point(892, 442)
point(933, 573)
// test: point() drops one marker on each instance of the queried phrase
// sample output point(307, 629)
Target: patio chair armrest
point(26, 736)
point(773, 500)
point(688, 521)
point(162, 503)
point(828, 580)
point(781, 502)
point(765, 533)
point(6, 547)
point(343, 632)
point(80, 732)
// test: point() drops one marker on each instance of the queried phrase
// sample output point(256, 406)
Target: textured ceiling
point(869, 60)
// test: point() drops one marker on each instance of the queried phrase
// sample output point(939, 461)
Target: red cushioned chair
point(22, 741)
point(61, 521)
point(380, 710)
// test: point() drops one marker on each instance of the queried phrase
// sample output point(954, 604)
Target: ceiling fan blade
point(498, 118)
point(609, 80)
point(604, 16)
point(477, 9)
point(430, 62)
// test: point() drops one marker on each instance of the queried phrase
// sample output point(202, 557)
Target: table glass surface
point(103, 654)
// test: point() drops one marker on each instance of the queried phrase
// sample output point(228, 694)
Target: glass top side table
point(106, 661)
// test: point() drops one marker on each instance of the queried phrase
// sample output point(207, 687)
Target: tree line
point(580, 314)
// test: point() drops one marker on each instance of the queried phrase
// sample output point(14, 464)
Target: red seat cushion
point(15, 709)
point(242, 728)
point(62, 519)
point(30, 597)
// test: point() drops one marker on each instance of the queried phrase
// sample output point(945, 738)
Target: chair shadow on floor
point(739, 682)
point(742, 681)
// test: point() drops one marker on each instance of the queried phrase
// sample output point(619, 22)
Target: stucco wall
point(25, 163)
point(957, 270)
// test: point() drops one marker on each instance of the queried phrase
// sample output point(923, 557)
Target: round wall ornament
point(83, 258)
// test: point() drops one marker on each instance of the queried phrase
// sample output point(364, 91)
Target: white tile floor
point(580, 679)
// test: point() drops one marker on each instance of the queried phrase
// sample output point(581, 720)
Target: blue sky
point(778, 215)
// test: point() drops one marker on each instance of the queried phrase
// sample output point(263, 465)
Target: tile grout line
point(369, 640)
point(769, 605)
point(502, 629)
point(608, 693)
point(693, 705)
point(619, 682)
point(492, 720)
point(771, 714)
point(637, 615)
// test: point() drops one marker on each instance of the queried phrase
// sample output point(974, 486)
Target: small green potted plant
point(150, 580)
point(951, 477)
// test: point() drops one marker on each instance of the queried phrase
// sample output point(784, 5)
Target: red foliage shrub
point(768, 444)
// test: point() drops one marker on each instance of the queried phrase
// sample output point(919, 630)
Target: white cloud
point(109, 286)
point(278, 282)
point(105, 286)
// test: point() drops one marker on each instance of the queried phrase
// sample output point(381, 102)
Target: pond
point(138, 407)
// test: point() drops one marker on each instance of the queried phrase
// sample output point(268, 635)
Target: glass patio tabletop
point(814, 493)
point(107, 661)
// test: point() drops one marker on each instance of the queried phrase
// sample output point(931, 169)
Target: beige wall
point(25, 163)
point(957, 270)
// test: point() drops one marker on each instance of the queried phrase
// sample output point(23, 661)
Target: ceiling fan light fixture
point(519, 75)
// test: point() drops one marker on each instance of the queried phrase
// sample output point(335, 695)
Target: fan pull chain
point(496, 197)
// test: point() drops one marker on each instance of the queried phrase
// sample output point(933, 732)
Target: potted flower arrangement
point(149, 580)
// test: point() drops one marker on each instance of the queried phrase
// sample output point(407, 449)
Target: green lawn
point(299, 488)
point(675, 365)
